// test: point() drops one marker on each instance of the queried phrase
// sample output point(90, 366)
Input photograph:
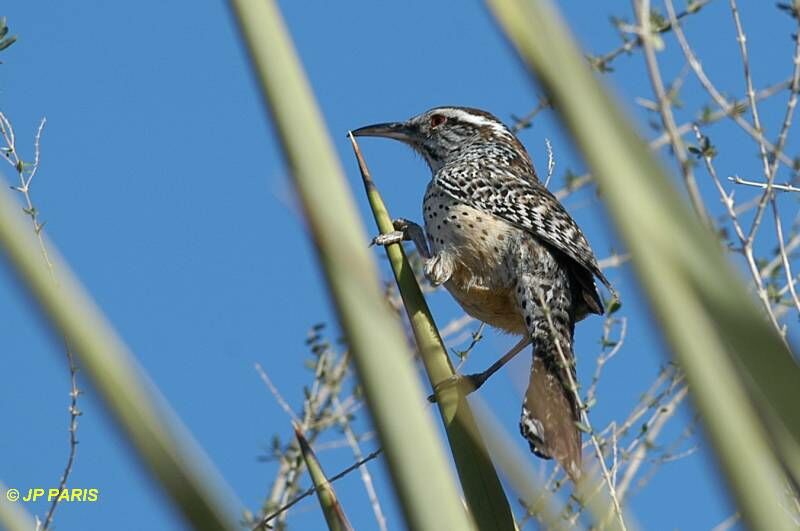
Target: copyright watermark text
point(54, 494)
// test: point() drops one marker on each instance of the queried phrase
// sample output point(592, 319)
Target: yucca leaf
point(331, 508)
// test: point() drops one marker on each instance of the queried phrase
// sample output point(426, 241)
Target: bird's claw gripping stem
point(472, 382)
point(404, 230)
point(467, 383)
point(388, 238)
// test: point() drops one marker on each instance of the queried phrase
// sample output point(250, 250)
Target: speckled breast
point(479, 244)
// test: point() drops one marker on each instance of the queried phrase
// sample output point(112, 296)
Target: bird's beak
point(396, 130)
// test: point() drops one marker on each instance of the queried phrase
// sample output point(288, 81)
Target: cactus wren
point(509, 253)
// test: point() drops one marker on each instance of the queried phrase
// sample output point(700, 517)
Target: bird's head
point(443, 133)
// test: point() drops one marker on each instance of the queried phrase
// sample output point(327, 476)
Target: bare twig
point(603, 62)
point(605, 357)
point(583, 180)
point(654, 427)
point(727, 107)
point(777, 150)
point(642, 8)
point(790, 281)
point(456, 326)
point(262, 524)
point(728, 523)
point(749, 90)
point(770, 170)
point(573, 185)
point(791, 245)
point(667, 456)
point(275, 393)
point(746, 243)
point(551, 162)
point(782, 187)
point(366, 477)
point(782, 136)
point(651, 398)
point(343, 442)
point(26, 174)
point(476, 336)
point(615, 260)
point(710, 117)
point(526, 121)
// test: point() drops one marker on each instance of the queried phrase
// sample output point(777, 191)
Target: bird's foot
point(404, 230)
point(388, 238)
point(466, 383)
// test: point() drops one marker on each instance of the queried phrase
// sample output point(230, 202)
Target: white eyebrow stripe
point(474, 119)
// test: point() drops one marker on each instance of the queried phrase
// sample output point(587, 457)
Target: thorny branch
point(775, 186)
point(770, 169)
point(603, 62)
point(638, 448)
point(26, 173)
point(642, 8)
point(723, 103)
point(746, 245)
point(706, 117)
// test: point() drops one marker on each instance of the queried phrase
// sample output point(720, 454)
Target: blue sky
point(162, 185)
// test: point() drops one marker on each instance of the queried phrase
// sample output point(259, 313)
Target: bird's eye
point(437, 120)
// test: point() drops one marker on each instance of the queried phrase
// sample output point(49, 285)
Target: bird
point(509, 253)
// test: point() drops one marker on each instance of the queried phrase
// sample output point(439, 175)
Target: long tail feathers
point(549, 414)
